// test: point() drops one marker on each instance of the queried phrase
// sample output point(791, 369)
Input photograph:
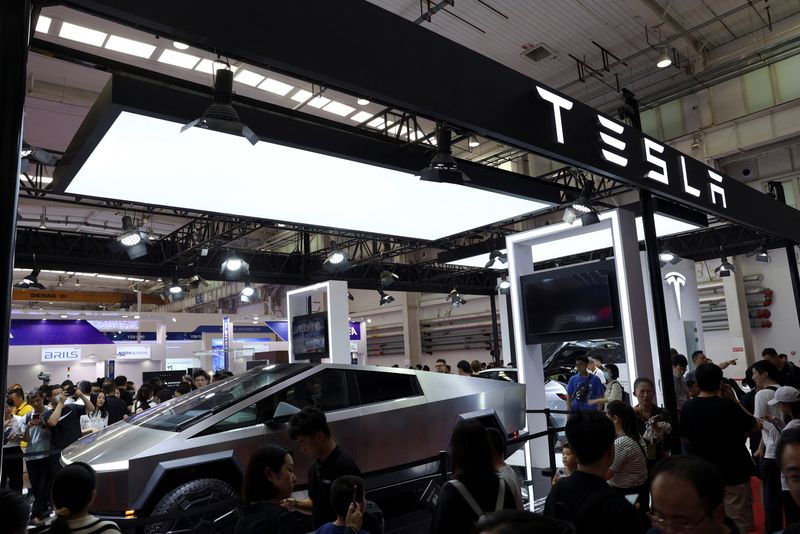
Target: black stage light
point(38, 155)
point(385, 299)
point(221, 115)
point(30, 281)
point(666, 256)
point(175, 286)
point(504, 287)
point(248, 293)
point(443, 167)
point(495, 256)
point(725, 268)
point(387, 277)
point(234, 267)
point(337, 261)
point(590, 218)
point(455, 298)
point(195, 281)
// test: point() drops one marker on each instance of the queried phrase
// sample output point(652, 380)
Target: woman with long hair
point(143, 399)
point(73, 493)
point(269, 480)
point(476, 489)
point(628, 472)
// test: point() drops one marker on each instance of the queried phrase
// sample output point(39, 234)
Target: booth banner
point(355, 331)
point(133, 352)
point(61, 354)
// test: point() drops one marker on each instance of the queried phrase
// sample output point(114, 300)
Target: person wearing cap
point(787, 399)
point(764, 375)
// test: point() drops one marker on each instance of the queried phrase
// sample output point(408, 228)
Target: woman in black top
point(268, 481)
point(474, 470)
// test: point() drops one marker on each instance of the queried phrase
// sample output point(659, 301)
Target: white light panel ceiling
point(147, 160)
point(572, 245)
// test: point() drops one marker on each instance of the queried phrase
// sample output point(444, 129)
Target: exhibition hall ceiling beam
point(91, 253)
point(450, 83)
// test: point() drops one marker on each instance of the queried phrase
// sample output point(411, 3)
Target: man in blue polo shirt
point(583, 387)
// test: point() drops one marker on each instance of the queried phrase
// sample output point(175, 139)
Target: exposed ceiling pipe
point(709, 286)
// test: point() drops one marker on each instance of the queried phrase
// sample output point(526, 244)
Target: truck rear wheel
point(191, 497)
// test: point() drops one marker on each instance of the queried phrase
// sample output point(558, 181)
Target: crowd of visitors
point(626, 469)
point(40, 423)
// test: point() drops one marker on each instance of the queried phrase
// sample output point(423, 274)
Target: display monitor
point(310, 335)
point(571, 303)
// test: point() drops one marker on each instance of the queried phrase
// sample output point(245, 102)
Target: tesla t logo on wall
point(676, 280)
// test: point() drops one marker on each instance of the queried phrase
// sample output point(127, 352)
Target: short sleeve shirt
point(763, 409)
point(320, 478)
point(717, 429)
point(596, 391)
point(68, 429)
point(630, 463)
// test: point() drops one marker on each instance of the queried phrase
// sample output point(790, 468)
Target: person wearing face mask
point(614, 389)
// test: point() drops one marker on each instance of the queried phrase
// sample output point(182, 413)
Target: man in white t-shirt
point(765, 377)
point(596, 368)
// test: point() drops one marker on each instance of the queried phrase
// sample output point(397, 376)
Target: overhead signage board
point(355, 331)
point(61, 354)
point(577, 134)
point(133, 352)
point(502, 104)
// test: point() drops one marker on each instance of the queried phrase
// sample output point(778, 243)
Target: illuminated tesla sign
point(613, 148)
point(677, 281)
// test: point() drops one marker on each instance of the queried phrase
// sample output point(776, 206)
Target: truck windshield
point(182, 412)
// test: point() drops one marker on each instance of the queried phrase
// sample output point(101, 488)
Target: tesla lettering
point(613, 142)
point(686, 187)
point(559, 103)
point(649, 148)
point(716, 190)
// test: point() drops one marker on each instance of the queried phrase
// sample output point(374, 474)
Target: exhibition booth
point(599, 275)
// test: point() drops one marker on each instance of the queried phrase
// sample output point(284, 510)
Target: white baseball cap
point(785, 394)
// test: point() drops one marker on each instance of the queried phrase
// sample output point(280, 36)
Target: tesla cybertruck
point(192, 450)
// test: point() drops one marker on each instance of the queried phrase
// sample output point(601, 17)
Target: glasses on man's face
point(679, 526)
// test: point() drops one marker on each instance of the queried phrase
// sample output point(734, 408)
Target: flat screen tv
point(571, 303)
point(310, 335)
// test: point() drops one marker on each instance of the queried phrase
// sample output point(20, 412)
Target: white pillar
point(412, 339)
point(738, 318)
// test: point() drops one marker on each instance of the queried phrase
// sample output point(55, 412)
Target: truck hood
point(110, 449)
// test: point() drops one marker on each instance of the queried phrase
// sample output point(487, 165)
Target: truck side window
point(376, 386)
point(326, 390)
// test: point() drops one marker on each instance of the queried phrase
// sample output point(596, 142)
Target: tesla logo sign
point(677, 281)
point(61, 354)
point(631, 155)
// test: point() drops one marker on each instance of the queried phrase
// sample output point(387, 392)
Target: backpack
point(467, 496)
point(582, 390)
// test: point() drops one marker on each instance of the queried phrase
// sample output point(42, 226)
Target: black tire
point(193, 496)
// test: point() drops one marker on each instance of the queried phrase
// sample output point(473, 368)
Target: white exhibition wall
point(784, 335)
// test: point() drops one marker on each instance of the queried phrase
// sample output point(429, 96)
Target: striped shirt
point(630, 463)
point(92, 525)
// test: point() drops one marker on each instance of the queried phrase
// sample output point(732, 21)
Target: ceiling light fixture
point(248, 293)
point(234, 267)
point(668, 257)
point(504, 287)
point(664, 60)
point(221, 115)
point(337, 108)
point(73, 32)
point(179, 45)
point(582, 208)
point(178, 59)
point(43, 24)
point(385, 299)
point(473, 142)
point(31, 280)
point(443, 167)
point(362, 102)
point(275, 86)
point(387, 277)
point(337, 261)
point(175, 286)
point(455, 298)
point(43, 220)
point(130, 47)
point(130, 236)
point(725, 268)
point(496, 256)
point(761, 253)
